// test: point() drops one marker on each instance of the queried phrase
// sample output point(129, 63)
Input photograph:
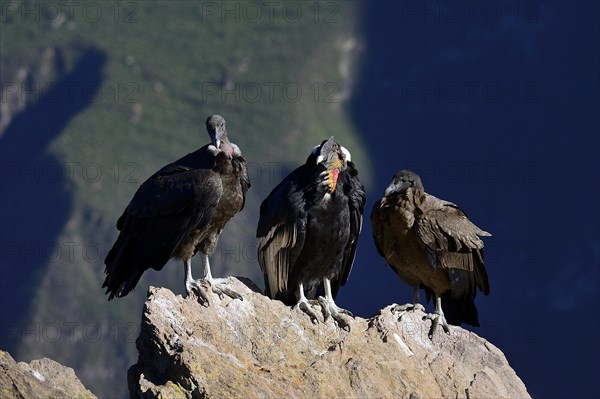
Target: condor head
point(217, 130)
point(333, 158)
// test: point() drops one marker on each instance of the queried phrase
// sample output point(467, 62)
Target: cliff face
point(259, 348)
point(42, 378)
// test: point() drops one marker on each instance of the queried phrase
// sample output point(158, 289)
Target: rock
point(259, 348)
point(42, 378)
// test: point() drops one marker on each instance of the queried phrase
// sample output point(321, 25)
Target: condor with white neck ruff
point(308, 232)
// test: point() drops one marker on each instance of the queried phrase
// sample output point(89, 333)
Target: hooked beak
point(215, 141)
point(324, 147)
point(390, 190)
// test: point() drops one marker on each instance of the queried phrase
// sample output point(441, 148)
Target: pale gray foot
point(401, 310)
point(199, 287)
point(409, 307)
point(220, 286)
point(437, 318)
point(330, 309)
point(304, 306)
point(217, 286)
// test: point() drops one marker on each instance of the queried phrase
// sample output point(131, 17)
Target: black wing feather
point(377, 228)
point(357, 197)
point(165, 209)
point(281, 232)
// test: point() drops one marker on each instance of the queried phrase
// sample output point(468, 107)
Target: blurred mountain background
point(495, 104)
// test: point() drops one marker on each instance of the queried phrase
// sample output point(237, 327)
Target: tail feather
point(288, 298)
point(458, 303)
point(267, 288)
point(460, 310)
point(116, 269)
point(126, 262)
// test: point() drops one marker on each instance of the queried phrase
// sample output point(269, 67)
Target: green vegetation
point(169, 65)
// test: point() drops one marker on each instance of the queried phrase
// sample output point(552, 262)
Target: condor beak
point(219, 131)
point(390, 190)
point(324, 148)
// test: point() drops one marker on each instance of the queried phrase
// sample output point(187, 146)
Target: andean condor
point(431, 244)
point(178, 211)
point(308, 231)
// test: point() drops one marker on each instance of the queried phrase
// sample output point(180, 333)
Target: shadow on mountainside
point(36, 201)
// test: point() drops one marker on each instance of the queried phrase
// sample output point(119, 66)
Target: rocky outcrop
point(259, 348)
point(39, 379)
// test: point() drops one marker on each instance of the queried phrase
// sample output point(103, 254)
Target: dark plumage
point(431, 244)
point(308, 230)
point(178, 211)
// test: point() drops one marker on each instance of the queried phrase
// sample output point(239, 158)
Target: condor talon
point(179, 211)
point(431, 244)
point(308, 231)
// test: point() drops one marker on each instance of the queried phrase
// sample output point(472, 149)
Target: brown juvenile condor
point(178, 211)
point(308, 231)
point(431, 244)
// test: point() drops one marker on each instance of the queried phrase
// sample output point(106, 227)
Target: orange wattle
point(332, 178)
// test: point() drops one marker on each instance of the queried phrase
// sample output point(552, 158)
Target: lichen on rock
point(261, 348)
point(43, 378)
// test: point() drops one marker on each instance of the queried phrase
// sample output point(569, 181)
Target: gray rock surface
point(259, 348)
point(39, 379)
